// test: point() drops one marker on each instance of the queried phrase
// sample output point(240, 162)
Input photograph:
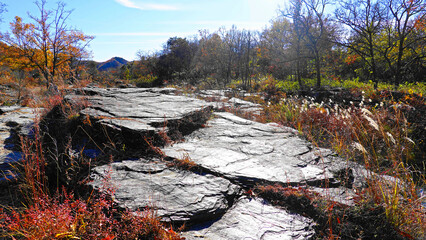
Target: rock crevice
point(231, 155)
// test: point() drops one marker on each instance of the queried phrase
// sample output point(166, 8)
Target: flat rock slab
point(251, 152)
point(175, 195)
point(255, 219)
point(139, 109)
point(18, 118)
point(15, 121)
point(226, 99)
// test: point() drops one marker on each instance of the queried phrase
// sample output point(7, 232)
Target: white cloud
point(215, 25)
point(127, 42)
point(144, 34)
point(251, 25)
point(147, 6)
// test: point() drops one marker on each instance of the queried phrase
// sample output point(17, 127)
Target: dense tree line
point(217, 58)
point(366, 39)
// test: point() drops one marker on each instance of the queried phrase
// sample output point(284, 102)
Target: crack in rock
point(231, 153)
point(176, 195)
point(276, 157)
point(254, 219)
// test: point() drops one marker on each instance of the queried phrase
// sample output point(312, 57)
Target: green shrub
point(146, 81)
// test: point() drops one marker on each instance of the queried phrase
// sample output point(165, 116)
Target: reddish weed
point(184, 162)
point(63, 216)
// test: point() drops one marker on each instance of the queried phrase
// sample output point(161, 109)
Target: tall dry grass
point(375, 135)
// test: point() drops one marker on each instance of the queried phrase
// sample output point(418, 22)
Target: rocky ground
point(148, 132)
point(15, 121)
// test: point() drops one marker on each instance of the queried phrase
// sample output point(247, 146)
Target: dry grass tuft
point(184, 162)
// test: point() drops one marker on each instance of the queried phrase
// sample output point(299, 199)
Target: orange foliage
point(47, 45)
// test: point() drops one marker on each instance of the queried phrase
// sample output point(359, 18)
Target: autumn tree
point(317, 31)
point(231, 48)
point(276, 49)
point(175, 59)
point(146, 64)
point(47, 43)
point(364, 20)
point(249, 44)
point(237, 54)
point(17, 65)
point(3, 46)
point(311, 33)
point(401, 36)
point(296, 39)
point(209, 58)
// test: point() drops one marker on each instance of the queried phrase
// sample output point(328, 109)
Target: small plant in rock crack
point(185, 162)
point(296, 199)
point(69, 107)
point(164, 137)
point(154, 149)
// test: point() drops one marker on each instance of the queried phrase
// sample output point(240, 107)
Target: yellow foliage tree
point(47, 44)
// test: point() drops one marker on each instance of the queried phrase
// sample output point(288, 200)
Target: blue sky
point(122, 27)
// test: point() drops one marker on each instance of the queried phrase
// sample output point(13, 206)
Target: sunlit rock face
point(144, 132)
point(15, 121)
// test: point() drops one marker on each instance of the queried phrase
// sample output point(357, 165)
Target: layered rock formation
point(232, 155)
point(153, 129)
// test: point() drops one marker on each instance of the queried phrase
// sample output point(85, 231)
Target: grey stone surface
point(175, 195)
point(15, 121)
point(229, 99)
point(254, 219)
point(139, 108)
point(244, 106)
point(217, 95)
point(234, 152)
point(17, 117)
point(137, 112)
point(249, 151)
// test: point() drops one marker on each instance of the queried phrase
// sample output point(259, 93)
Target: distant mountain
point(113, 63)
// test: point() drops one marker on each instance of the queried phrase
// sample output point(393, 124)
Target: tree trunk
point(298, 72)
point(47, 77)
point(373, 61)
point(318, 69)
point(247, 62)
point(397, 76)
